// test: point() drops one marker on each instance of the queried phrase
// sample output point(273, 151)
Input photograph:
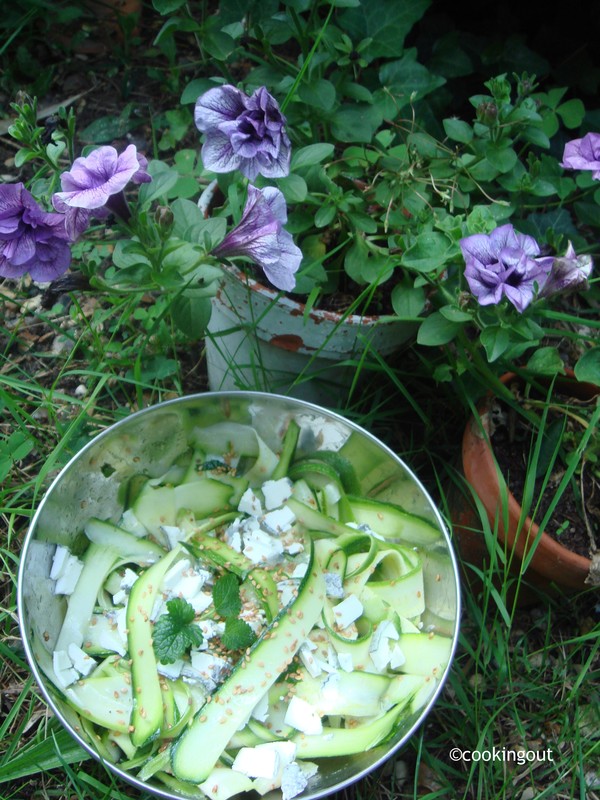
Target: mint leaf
point(174, 633)
point(226, 596)
point(237, 634)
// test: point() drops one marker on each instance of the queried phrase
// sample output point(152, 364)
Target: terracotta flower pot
point(551, 562)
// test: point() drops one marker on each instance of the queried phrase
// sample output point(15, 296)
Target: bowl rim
point(41, 680)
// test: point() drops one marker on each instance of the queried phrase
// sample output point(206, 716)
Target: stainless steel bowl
point(91, 484)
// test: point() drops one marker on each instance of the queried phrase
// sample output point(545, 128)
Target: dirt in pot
point(575, 519)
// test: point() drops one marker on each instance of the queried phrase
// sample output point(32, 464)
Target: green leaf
point(195, 88)
point(572, 113)
point(503, 158)
point(428, 253)
point(437, 330)
point(163, 180)
point(496, 340)
point(546, 361)
point(386, 22)
point(238, 635)
point(408, 301)
point(588, 366)
point(167, 6)
point(294, 188)
point(174, 633)
point(311, 154)
point(191, 314)
point(355, 123)
point(458, 130)
point(318, 94)
point(226, 596)
point(407, 79)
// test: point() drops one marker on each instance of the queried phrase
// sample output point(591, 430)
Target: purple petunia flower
point(504, 264)
point(31, 239)
point(245, 133)
point(98, 180)
point(568, 274)
point(260, 236)
point(583, 154)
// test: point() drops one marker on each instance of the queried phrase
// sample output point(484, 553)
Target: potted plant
point(335, 172)
point(532, 465)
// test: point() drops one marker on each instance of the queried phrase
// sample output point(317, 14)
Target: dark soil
point(513, 440)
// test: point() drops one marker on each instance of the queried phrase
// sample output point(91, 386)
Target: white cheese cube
point(82, 662)
point(278, 521)
point(397, 657)
point(288, 591)
point(130, 523)
point(276, 492)
point(303, 716)
point(174, 575)
point(250, 504)
point(128, 579)
point(67, 581)
point(200, 601)
point(306, 654)
point(346, 612)
point(174, 535)
point(260, 711)
point(332, 493)
point(59, 560)
point(171, 671)
point(300, 570)
point(345, 662)
point(257, 762)
point(261, 548)
point(63, 669)
point(282, 753)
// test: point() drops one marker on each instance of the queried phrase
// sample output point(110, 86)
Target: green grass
point(524, 679)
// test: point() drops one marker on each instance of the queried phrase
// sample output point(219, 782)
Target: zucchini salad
point(250, 615)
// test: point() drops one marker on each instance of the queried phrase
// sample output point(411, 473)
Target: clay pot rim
point(476, 441)
point(297, 308)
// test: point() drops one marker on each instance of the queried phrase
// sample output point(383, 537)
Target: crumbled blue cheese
point(303, 716)
point(332, 493)
point(288, 591)
point(261, 761)
point(61, 554)
point(293, 781)
point(209, 669)
point(81, 661)
point(345, 661)
point(276, 492)
point(260, 711)
point(233, 535)
point(64, 671)
point(103, 632)
point(200, 601)
point(347, 611)
point(261, 548)
point(397, 657)
point(306, 655)
point(68, 575)
point(380, 649)
point(250, 504)
point(290, 783)
point(171, 671)
point(334, 586)
point(300, 570)
point(174, 535)
point(130, 523)
point(278, 521)
point(269, 759)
